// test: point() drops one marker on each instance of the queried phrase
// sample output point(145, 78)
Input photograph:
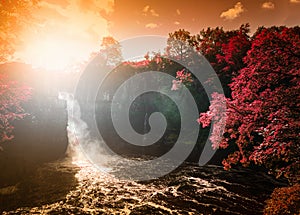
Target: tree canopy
point(263, 111)
point(15, 15)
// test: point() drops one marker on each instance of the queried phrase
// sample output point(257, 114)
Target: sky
point(162, 17)
point(70, 29)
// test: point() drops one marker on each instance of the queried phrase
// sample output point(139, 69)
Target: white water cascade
point(82, 147)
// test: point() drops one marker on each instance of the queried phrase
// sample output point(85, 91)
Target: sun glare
point(55, 54)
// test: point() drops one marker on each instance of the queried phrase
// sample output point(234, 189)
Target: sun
point(55, 54)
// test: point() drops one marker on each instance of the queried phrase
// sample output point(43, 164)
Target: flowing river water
point(190, 189)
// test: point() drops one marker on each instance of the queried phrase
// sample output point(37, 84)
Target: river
point(191, 189)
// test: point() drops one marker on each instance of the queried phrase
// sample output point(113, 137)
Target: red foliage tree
point(225, 51)
point(233, 51)
point(12, 95)
point(263, 114)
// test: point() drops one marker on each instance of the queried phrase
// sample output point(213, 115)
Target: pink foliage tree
point(182, 77)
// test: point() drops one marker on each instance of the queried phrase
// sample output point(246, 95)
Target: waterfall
point(82, 148)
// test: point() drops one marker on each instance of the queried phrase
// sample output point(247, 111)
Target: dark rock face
point(39, 137)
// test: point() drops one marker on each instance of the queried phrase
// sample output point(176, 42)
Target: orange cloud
point(234, 12)
point(148, 11)
point(146, 8)
point(151, 25)
point(153, 13)
point(268, 5)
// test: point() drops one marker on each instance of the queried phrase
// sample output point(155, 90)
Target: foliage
point(225, 51)
point(233, 51)
point(262, 116)
point(111, 49)
point(182, 77)
point(11, 97)
point(217, 114)
point(155, 102)
point(285, 200)
point(15, 15)
point(179, 45)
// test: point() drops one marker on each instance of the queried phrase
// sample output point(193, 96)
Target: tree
point(263, 114)
point(111, 50)
point(11, 97)
point(230, 60)
point(284, 201)
point(225, 51)
point(14, 16)
point(180, 45)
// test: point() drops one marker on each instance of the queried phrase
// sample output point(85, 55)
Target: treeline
point(260, 79)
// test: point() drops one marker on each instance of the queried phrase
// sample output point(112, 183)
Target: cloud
point(295, 1)
point(176, 23)
point(234, 12)
point(151, 25)
point(178, 12)
point(268, 5)
point(62, 3)
point(153, 13)
point(148, 11)
point(146, 8)
point(94, 5)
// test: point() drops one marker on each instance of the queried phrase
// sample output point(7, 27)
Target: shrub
point(285, 200)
